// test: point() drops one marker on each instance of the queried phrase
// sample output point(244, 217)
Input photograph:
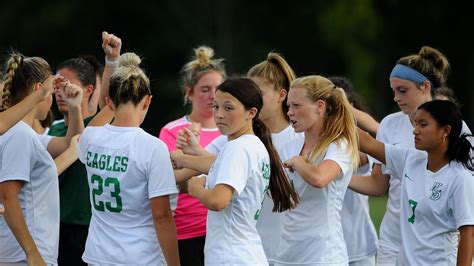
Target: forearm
point(201, 164)
point(17, 224)
point(166, 233)
point(465, 246)
point(108, 71)
point(366, 122)
point(367, 185)
point(63, 161)
point(184, 174)
point(371, 146)
point(103, 117)
point(75, 122)
point(310, 173)
point(14, 114)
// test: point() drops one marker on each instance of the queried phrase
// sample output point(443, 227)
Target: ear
point(147, 101)
point(447, 130)
point(188, 92)
point(320, 106)
point(282, 95)
point(109, 103)
point(37, 86)
point(252, 112)
point(426, 87)
point(88, 90)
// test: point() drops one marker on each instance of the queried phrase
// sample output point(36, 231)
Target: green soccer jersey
point(73, 186)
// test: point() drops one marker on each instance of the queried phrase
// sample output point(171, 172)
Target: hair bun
point(130, 60)
point(204, 55)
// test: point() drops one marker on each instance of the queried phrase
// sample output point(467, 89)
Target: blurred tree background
point(360, 39)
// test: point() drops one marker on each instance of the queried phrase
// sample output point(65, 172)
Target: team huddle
point(266, 169)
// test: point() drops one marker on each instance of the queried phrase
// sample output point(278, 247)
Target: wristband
point(113, 64)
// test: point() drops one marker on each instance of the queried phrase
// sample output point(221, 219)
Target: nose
point(396, 97)
point(212, 93)
point(218, 114)
point(290, 112)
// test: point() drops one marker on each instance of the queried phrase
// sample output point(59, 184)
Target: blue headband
point(408, 73)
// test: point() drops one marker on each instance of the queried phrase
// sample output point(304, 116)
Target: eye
point(228, 108)
point(215, 106)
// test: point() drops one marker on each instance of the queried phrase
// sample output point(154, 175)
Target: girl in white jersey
point(413, 81)
point(29, 228)
point(436, 187)
point(246, 168)
point(321, 166)
point(130, 179)
point(273, 76)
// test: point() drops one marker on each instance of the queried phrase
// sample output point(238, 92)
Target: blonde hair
point(20, 74)
point(339, 123)
point(128, 82)
point(276, 71)
point(202, 63)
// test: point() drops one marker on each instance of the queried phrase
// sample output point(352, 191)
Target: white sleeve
point(234, 167)
point(161, 180)
point(339, 154)
point(382, 136)
point(44, 139)
point(81, 147)
point(461, 199)
point(216, 145)
point(17, 157)
point(395, 159)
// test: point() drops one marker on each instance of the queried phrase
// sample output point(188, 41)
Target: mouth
point(293, 122)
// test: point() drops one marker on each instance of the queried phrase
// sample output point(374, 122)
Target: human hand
point(290, 164)
point(34, 259)
point(176, 156)
point(195, 184)
point(188, 141)
point(111, 45)
point(70, 93)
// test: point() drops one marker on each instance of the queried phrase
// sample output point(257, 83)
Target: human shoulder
point(398, 117)
point(20, 130)
point(176, 124)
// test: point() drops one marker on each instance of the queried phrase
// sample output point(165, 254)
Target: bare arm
point(165, 228)
point(112, 46)
point(371, 146)
point(466, 245)
point(375, 184)
point(215, 199)
point(9, 191)
point(73, 96)
point(366, 121)
point(14, 114)
point(68, 157)
point(316, 175)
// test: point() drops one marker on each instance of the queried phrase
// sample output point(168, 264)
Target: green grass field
point(377, 209)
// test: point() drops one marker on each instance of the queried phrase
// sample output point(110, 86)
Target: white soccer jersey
point(24, 158)
point(433, 207)
point(395, 129)
point(357, 226)
point(126, 167)
point(232, 237)
point(312, 232)
point(270, 223)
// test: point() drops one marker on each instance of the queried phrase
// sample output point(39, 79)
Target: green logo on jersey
point(107, 162)
point(266, 171)
point(436, 191)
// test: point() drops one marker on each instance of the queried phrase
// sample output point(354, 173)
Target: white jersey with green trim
point(232, 237)
point(433, 206)
point(126, 167)
point(312, 232)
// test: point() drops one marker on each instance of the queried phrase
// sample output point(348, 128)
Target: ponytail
point(461, 150)
point(283, 195)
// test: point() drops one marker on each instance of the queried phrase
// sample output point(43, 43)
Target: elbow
point(317, 182)
point(161, 218)
point(217, 206)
